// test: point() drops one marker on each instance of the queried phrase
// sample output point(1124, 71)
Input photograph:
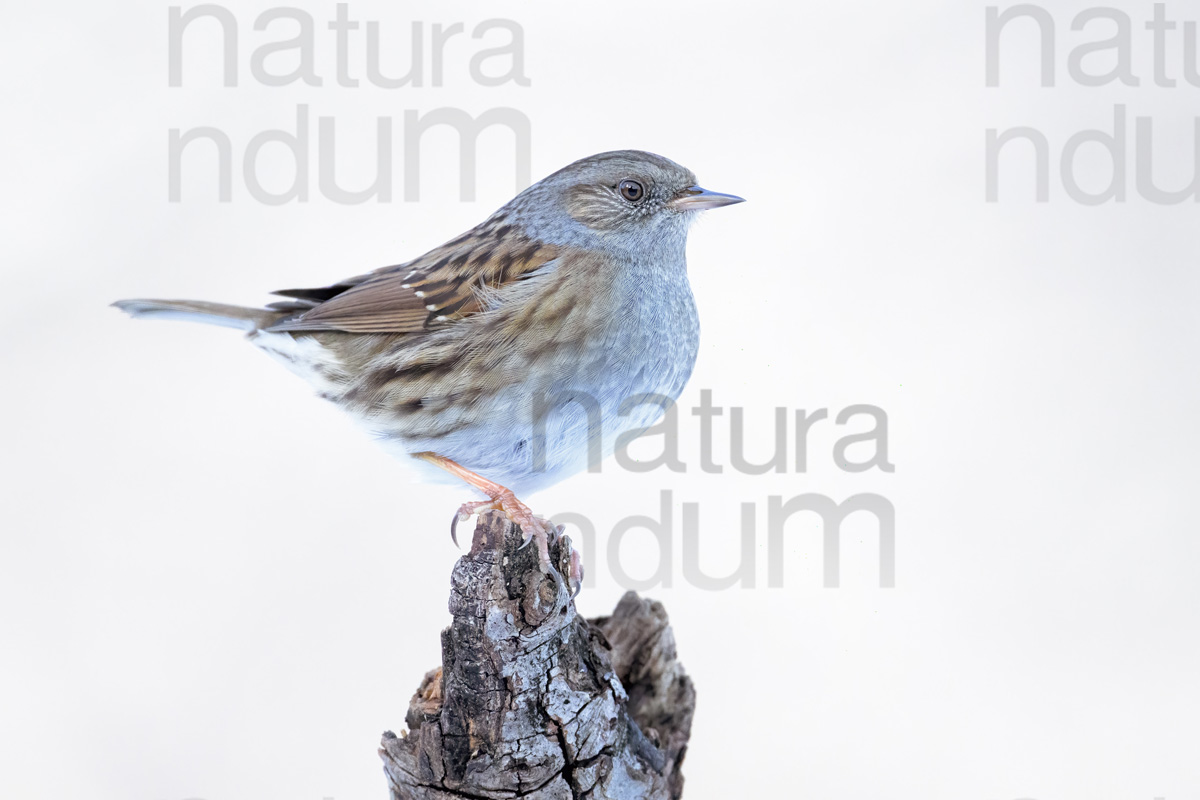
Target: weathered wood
point(532, 700)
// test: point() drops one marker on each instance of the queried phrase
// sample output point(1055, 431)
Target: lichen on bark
point(534, 701)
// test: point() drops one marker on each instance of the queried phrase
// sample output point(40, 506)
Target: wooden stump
point(532, 700)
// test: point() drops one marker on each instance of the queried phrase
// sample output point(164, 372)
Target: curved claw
point(454, 529)
point(576, 570)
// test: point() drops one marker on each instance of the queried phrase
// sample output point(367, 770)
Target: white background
point(213, 586)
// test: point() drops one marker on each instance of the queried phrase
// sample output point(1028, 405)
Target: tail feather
point(240, 317)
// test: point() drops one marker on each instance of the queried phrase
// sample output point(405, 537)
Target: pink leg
point(499, 498)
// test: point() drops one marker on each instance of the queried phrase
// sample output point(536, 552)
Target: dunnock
point(519, 349)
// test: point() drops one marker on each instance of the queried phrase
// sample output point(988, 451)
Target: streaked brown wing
point(440, 286)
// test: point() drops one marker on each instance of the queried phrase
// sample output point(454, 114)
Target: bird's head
point(621, 200)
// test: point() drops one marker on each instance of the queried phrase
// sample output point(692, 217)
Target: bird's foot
point(574, 564)
point(501, 498)
point(533, 528)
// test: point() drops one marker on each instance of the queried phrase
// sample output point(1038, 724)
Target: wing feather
point(444, 285)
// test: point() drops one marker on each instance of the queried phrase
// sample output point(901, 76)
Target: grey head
point(622, 201)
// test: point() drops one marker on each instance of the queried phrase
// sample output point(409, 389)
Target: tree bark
point(532, 700)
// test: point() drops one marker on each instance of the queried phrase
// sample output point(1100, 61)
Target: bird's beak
point(695, 198)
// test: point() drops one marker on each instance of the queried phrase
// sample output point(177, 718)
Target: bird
point(518, 352)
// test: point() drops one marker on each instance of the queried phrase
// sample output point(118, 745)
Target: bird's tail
point(240, 317)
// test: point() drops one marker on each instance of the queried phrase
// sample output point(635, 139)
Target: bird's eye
point(631, 190)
